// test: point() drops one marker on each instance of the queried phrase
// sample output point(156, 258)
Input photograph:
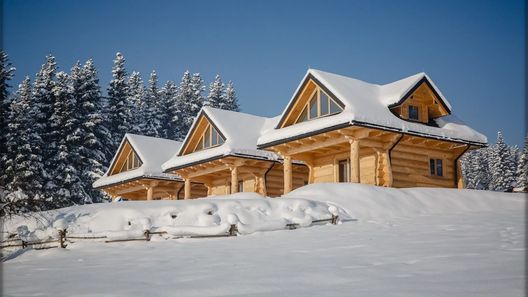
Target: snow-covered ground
point(413, 242)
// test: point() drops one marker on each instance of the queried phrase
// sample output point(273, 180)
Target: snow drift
point(208, 216)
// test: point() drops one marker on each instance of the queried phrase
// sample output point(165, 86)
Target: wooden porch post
point(150, 192)
point(354, 161)
point(460, 181)
point(234, 179)
point(187, 189)
point(288, 181)
point(262, 185)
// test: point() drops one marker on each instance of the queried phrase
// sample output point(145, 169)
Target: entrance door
point(343, 171)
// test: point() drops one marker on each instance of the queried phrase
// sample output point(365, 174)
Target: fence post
point(334, 219)
point(62, 238)
point(232, 230)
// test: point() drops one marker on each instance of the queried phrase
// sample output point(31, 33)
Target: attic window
point(210, 138)
point(131, 162)
point(414, 113)
point(320, 105)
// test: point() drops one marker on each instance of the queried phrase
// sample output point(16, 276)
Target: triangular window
point(127, 160)
point(320, 105)
point(210, 138)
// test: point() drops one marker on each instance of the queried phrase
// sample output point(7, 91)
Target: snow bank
point(370, 202)
point(211, 216)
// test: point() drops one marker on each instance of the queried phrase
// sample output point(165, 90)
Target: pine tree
point(169, 108)
point(66, 163)
point(231, 101)
point(522, 169)
point(216, 97)
point(190, 100)
point(24, 162)
point(6, 74)
point(119, 112)
point(136, 97)
point(151, 108)
point(96, 138)
point(502, 166)
point(44, 99)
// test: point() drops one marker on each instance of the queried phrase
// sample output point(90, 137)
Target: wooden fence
point(14, 241)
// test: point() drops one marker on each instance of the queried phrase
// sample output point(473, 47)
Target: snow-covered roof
point(152, 152)
point(241, 131)
point(368, 105)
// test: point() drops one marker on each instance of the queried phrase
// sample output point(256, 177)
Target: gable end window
point(210, 138)
point(436, 167)
point(132, 162)
point(414, 113)
point(320, 105)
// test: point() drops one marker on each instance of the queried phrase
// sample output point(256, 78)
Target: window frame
point(417, 112)
point(208, 132)
point(316, 94)
point(434, 166)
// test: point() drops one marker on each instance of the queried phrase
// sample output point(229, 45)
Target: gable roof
point(368, 104)
point(152, 152)
point(240, 131)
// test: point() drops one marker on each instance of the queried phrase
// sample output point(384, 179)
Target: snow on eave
point(368, 104)
point(152, 152)
point(239, 130)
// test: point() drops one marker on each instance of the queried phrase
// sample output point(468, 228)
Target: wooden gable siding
point(428, 103)
point(302, 99)
point(123, 154)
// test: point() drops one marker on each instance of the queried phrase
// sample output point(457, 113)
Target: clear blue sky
point(473, 50)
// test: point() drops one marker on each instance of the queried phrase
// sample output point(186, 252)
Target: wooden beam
point(234, 179)
point(187, 189)
point(354, 161)
point(287, 174)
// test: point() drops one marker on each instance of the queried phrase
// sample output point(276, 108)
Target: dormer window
point(414, 113)
point(131, 162)
point(210, 138)
point(320, 105)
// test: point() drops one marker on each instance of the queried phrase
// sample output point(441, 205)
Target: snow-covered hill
point(409, 242)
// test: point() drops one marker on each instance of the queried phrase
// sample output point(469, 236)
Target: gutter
point(393, 146)
point(266, 176)
point(455, 165)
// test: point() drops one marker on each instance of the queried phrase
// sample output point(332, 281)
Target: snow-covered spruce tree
point(96, 138)
point(66, 164)
point(190, 100)
point(522, 169)
point(118, 108)
point(6, 74)
point(170, 110)
point(216, 97)
point(152, 108)
point(230, 98)
point(43, 100)
point(24, 162)
point(468, 162)
point(502, 166)
point(136, 97)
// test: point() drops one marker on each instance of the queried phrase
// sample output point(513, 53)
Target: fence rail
point(64, 237)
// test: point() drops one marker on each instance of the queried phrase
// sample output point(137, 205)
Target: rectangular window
point(207, 138)
point(413, 113)
point(343, 171)
point(214, 137)
point(324, 103)
point(313, 107)
point(436, 167)
point(241, 186)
